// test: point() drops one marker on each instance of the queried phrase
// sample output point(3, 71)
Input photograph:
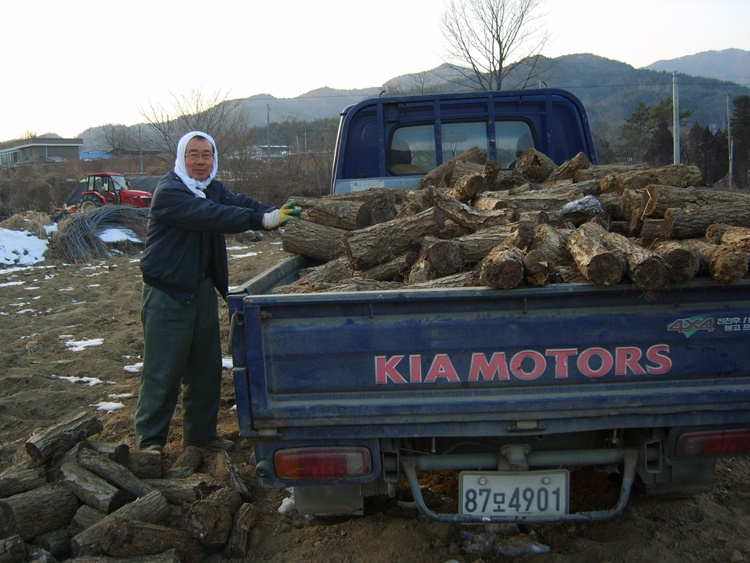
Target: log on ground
point(31, 513)
point(92, 489)
point(54, 441)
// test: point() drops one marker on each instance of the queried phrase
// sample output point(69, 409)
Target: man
point(184, 264)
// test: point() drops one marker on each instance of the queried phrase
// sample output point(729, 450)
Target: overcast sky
point(73, 64)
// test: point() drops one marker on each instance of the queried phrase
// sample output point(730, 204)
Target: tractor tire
point(89, 203)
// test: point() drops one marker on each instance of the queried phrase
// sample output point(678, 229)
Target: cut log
point(189, 462)
point(210, 519)
point(579, 211)
point(56, 542)
point(469, 185)
point(364, 284)
point(421, 272)
point(547, 253)
point(116, 452)
point(659, 198)
point(238, 545)
point(320, 277)
point(35, 512)
point(145, 464)
point(133, 538)
point(381, 203)
point(725, 264)
point(380, 243)
point(53, 442)
point(393, 270)
point(645, 269)
point(683, 261)
point(150, 508)
point(92, 489)
point(225, 471)
point(442, 176)
point(469, 217)
point(601, 171)
point(463, 279)
point(567, 170)
point(476, 246)
point(21, 477)
point(502, 268)
point(652, 231)
point(84, 518)
point(596, 262)
point(319, 242)
point(189, 489)
point(12, 549)
point(343, 214)
point(112, 472)
point(693, 222)
point(444, 255)
point(738, 237)
point(534, 165)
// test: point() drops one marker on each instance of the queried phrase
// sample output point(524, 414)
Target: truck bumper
point(626, 457)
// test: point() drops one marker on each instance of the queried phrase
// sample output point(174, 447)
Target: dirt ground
point(48, 309)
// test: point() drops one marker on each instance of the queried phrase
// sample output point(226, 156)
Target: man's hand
point(278, 217)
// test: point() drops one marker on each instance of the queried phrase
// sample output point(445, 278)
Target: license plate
point(524, 493)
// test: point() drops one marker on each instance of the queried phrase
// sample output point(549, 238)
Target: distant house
point(39, 149)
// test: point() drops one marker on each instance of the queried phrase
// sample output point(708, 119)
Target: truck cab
point(392, 142)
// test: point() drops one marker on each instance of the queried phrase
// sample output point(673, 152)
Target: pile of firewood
point(92, 501)
point(469, 223)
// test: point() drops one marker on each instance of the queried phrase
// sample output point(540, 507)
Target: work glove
point(278, 217)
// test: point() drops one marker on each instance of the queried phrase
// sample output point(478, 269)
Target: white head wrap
point(181, 170)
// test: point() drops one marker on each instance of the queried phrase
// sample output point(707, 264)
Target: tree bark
point(725, 264)
point(225, 471)
point(112, 472)
point(467, 216)
point(92, 489)
point(145, 464)
point(477, 245)
point(189, 462)
point(502, 268)
point(209, 520)
point(547, 253)
point(320, 277)
point(738, 237)
point(21, 477)
point(693, 222)
point(31, 513)
point(150, 508)
point(442, 176)
point(534, 165)
point(683, 261)
point(54, 441)
point(239, 541)
point(12, 549)
point(381, 203)
point(393, 270)
point(132, 538)
point(382, 242)
point(319, 242)
point(567, 170)
point(343, 214)
point(444, 255)
point(187, 490)
point(645, 269)
point(595, 261)
point(659, 198)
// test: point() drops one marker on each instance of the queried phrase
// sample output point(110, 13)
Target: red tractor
point(106, 188)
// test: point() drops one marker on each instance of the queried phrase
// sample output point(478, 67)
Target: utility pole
point(268, 134)
point(140, 147)
point(675, 118)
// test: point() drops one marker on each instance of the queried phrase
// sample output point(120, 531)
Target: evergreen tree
point(741, 141)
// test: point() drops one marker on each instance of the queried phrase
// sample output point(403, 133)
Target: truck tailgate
point(413, 361)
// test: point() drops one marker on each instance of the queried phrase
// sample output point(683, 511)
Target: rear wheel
point(89, 203)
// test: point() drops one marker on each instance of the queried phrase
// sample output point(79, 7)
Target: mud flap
point(329, 500)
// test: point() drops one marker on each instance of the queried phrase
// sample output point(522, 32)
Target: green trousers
point(182, 350)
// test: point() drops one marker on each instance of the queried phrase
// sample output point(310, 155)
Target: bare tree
point(214, 113)
point(117, 137)
point(489, 39)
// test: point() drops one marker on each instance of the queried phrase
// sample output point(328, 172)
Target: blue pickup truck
point(347, 395)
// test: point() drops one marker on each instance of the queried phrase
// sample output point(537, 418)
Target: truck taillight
point(714, 443)
point(322, 463)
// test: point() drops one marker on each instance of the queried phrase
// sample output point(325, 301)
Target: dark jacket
point(181, 226)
